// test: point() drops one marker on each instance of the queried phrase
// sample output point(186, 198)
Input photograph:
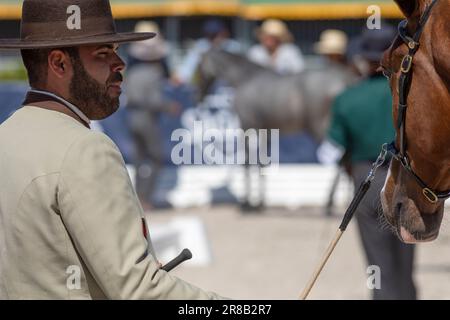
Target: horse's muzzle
point(412, 225)
point(412, 221)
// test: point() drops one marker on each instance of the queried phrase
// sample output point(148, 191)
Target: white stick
point(316, 274)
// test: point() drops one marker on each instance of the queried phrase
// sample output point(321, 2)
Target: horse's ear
point(408, 7)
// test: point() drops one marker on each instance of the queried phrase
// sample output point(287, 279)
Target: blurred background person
point(276, 49)
point(333, 50)
point(361, 123)
point(215, 35)
point(333, 47)
point(146, 79)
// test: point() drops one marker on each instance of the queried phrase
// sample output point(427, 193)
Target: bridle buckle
point(406, 63)
point(412, 44)
point(430, 195)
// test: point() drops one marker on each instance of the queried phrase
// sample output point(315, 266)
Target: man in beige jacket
point(71, 225)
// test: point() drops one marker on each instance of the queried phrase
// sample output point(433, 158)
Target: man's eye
point(103, 54)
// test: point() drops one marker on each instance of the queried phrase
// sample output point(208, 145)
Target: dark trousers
point(382, 247)
point(149, 155)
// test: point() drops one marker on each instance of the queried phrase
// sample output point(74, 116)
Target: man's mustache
point(115, 77)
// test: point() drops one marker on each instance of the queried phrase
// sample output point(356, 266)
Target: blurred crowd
point(154, 84)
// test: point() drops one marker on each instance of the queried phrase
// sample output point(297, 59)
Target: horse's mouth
point(416, 237)
point(412, 226)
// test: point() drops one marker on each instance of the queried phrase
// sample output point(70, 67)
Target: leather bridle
point(404, 85)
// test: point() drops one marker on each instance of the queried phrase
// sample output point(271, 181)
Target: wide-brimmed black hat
point(68, 23)
point(372, 44)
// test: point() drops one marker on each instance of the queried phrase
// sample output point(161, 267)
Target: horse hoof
point(246, 207)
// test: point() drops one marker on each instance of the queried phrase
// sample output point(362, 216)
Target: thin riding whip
point(346, 220)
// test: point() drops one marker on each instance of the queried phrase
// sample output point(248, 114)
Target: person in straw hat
point(151, 50)
point(276, 49)
point(333, 45)
point(72, 226)
point(146, 79)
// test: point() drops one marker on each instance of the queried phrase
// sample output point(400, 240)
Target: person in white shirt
point(216, 35)
point(276, 49)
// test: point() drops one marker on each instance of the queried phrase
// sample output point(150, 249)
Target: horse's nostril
point(397, 210)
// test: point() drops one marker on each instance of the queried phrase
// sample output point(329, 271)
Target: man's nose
point(118, 65)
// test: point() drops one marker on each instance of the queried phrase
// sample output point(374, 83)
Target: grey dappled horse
point(265, 99)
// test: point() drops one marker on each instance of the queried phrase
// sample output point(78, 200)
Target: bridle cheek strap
point(404, 85)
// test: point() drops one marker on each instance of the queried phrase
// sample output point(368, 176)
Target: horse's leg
point(265, 145)
point(245, 204)
point(330, 202)
point(260, 179)
point(262, 187)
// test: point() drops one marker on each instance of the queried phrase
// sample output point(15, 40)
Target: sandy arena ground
point(272, 255)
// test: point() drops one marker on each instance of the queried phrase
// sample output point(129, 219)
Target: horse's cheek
point(388, 192)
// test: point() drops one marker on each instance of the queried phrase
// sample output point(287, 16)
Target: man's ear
point(408, 7)
point(58, 63)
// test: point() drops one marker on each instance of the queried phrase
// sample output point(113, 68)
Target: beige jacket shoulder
point(70, 221)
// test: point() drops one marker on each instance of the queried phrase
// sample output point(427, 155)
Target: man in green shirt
point(362, 118)
point(361, 123)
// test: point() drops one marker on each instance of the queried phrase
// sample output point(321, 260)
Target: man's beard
point(90, 96)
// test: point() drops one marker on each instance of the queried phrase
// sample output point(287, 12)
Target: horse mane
point(236, 67)
point(246, 63)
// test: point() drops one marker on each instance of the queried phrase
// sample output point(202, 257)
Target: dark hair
point(36, 63)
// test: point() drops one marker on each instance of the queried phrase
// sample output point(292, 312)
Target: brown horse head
point(406, 205)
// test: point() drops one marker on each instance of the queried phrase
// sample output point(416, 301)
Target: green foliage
point(17, 74)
